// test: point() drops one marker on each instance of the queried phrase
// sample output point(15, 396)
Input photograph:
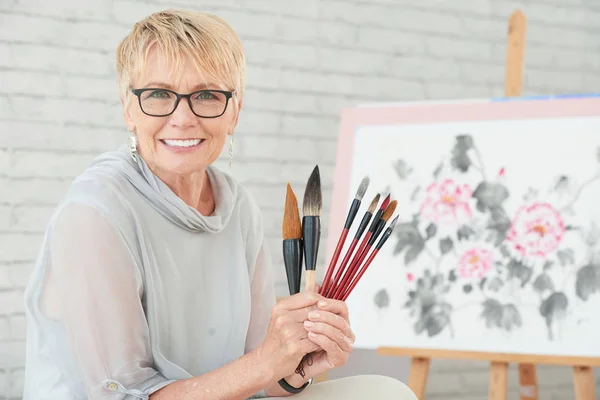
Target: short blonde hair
point(209, 41)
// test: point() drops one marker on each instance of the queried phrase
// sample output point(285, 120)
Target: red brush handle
point(334, 259)
point(360, 274)
point(360, 254)
point(340, 270)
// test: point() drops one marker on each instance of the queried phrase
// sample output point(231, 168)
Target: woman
point(154, 280)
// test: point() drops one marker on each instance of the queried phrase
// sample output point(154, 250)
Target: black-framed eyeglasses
point(158, 102)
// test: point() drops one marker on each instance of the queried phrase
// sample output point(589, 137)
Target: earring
point(132, 144)
point(230, 151)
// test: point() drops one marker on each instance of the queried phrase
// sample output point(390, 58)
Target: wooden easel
point(498, 382)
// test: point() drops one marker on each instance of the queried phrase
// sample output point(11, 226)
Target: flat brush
point(354, 207)
point(359, 257)
point(331, 289)
point(292, 242)
point(311, 226)
point(329, 286)
point(374, 253)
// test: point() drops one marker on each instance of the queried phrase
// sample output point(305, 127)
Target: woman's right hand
point(287, 340)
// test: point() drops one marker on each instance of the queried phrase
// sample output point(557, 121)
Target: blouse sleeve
point(99, 301)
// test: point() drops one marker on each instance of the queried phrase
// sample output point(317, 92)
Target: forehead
point(179, 72)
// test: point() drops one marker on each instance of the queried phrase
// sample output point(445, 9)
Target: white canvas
point(529, 284)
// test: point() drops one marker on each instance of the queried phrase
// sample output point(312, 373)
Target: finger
point(332, 319)
point(334, 353)
point(336, 335)
point(300, 300)
point(335, 306)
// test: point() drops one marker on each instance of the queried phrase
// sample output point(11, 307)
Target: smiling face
point(180, 143)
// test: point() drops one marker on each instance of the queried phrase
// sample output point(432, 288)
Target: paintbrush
point(329, 286)
point(292, 241)
point(359, 257)
point(331, 289)
point(354, 207)
point(374, 253)
point(311, 226)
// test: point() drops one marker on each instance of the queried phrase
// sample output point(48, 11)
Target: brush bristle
point(385, 203)
point(292, 226)
point(374, 203)
point(393, 223)
point(313, 200)
point(362, 188)
point(389, 211)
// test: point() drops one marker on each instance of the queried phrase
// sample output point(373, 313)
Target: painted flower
point(475, 263)
point(536, 230)
point(447, 202)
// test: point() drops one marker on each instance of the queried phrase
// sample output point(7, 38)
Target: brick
point(391, 41)
point(17, 378)
point(438, 90)
point(482, 73)
point(293, 102)
point(130, 12)
point(5, 217)
point(305, 9)
point(12, 355)
point(56, 59)
point(5, 283)
point(277, 55)
point(354, 61)
point(19, 274)
point(49, 164)
point(424, 68)
point(263, 77)
point(459, 48)
point(335, 34)
point(64, 9)
point(4, 335)
point(258, 122)
point(488, 28)
point(18, 247)
point(52, 109)
point(560, 36)
point(49, 136)
point(34, 190)
point(31, 218)
point(562, 82)
point(5, 159)
point(309, 126)
point(17, 324)
point(12, 302)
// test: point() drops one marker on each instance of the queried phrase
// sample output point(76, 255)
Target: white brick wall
point(306, 60)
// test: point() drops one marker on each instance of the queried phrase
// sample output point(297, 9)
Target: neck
point(194, 189)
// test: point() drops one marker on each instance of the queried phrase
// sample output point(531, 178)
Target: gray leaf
point(412, 253)
point(517, 269)
point(415, 193)
point(562, 184)
point(438, 170)
point(436, 323)
point(460, 159)
point(446, 245)
point(499, 223)
point(465, 232)
point(566, 257)
point(587, 281)
point(419, 326)
point(542, 283)
point(490, 195)
point(382, 299)
point(492, 313)
point(409, 239)
point(548, 265)
point(511, 317)
point(495, 284)
point(555, 306)
point(431, 230)
point(402, 169)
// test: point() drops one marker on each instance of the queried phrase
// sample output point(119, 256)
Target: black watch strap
point(290, 389)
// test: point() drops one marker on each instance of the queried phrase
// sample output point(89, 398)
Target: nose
point(183, 116)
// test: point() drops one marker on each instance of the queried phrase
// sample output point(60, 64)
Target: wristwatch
point(290, 389)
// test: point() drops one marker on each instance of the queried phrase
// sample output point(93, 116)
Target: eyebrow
point(201, 86)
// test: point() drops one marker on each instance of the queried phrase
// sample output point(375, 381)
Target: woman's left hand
point(329, 327)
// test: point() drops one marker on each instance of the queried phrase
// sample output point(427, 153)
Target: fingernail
point(314, 315)
point(322, 303)
point(309, 324)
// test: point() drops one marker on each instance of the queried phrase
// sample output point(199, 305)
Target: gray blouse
point(134, 289)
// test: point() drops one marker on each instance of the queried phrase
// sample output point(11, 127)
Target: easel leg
point(498, 381)
point(417, 379)
point(584, 383)
point(528, 382)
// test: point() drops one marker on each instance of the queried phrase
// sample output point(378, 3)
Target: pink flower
point(447, 202)
point(536, 230)
point(475, 263)
point(410, 277)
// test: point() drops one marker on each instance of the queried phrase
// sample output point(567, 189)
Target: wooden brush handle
point(310, 280)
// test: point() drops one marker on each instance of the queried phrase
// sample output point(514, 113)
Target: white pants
point(361, 387)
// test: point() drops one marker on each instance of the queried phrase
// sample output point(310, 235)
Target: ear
point(127, 115)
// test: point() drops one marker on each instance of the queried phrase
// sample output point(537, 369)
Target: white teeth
point(182, 143)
